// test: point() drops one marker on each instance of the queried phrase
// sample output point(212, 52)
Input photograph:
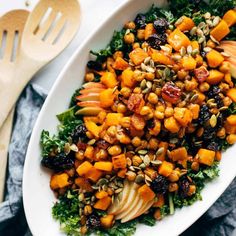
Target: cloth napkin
point(219, 220)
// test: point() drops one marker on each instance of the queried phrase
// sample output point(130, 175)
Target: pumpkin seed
point(143, 67)
point(193, 31)
point(201, 25)
point(165, 49)
point(207, 49)
point(92, 141)
point(102, 181)
point(146, 160)
point(209, 23)
point(213, 121)
point(139, 179)
point(189, 49)
point(173, 140)
point(147, 60)
point(146, 90)
point(152, 64)
point(201, 39)
point(143, 84)
point(207, 15)
point(171, 27)
point(179, 21)
point(200, 32)
point(183, 172)
point(168, 153)
point(118, 190)
point(150, 69)
point(156, 162)
point(182, 51)
point(149, 84)
point(211, 101)
point(166, 72)
point(142, 166)
point(148, 178)
point(223, 108)
point(160, 151)
point(128, 161)
point(216, 21)
point(194, 98)
point(131, 168)
point(195, 52)
point(176, 57)
point(67, 148)
point(142, 152)
point(81, 197)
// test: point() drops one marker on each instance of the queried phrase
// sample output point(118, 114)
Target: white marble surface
point(93, 13)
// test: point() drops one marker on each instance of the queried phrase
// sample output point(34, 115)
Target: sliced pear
point(88, 97)
point(91, 90)
point(131, 214)
point(144, 208)
point(89, 111)
point(93, 85)
point(131, 196)
point(130, 208)
point(89, 104)
point(228, 42)
point(120, 200)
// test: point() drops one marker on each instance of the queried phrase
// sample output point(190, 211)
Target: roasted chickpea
point(169, 111)
point(79, 155)
point(136, 160)
point(101, 154)
point(136, 141)
point(153, 143)
point(159, 115)
point(152, 98)
point(192, 190)
point(195, 166)
point(125, 92)
point(89, 77)
point(129, 38)
point(182, 74)
point(136, 45)
point(130, 25)
point(114, 150)
point(225, 67)
point(174, 176)
point(125, 122)
point(227, 101)
point(141, 34)
point(221, 133)
point(173, 187)
point(210, 44)
point(145, 111)
point(121, 108)
point(204, 87)
point(138, 75)
point(130, 175)
point(118, 54)
point(150, 76)
point(137, 90)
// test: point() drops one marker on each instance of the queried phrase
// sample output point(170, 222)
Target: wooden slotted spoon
point(11, 28)
point(48, 30)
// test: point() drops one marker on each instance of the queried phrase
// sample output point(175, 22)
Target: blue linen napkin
point(219, 220)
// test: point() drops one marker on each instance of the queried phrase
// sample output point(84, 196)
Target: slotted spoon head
point(50, 27)
point(11, 28)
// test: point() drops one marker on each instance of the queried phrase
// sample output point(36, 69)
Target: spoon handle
point(26, 68)
point(5, 134)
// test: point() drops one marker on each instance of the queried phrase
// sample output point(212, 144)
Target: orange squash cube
point(206, 156)
point(188, 63)
point(59, 181)
point(186, 24)
point(178, 39)
point(127, 78)
point(113, 119)
point(214, 77)
point(93, 128)
point(84, 168)
point(103, 165)
point(107, 221)
point(101, 194)
point(232, 94)
point(220, 31)
point(137, 56)
point(107, 97)
point(172, 125)
point(119, 162)
point(146, 193)
point(93, 174)
point(120, 64)
point(109, 79)
point(166, 168)
point(214, 58)
point(183, 116)
point(179, 154)
point(103, 204)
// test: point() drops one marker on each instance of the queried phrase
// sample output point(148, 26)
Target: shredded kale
point(165, 210)
point(232, 109)
point(147, 219)
point(66, 212)
point(67, 115)
point(51, 144)
point(119, 229)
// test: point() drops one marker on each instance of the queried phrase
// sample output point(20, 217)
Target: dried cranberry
point(93, 222)
point(94, 65)
point(214, 90)
point(102, 144)
point(159, 184)
point(213, 146)
point(140, 21)
point(156, 40)
point(184, 186)
point(171, 93)
point(135, 102)
point(79, 133)
point(160, 25)
point(81, 146)
point(201, 74)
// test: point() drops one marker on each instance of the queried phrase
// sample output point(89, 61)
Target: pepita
point(195, 52)
point(213, 121)
point(207, 49)
point(142, 152)
point(139, 179)
point(156, 162)
point(143, 84)
point(207, 15)
point(194, 98)
point(193, 31)
point(160, 151)
point(146, 160)
point(216, 21)
point(189, 49)
point(142, 166)
point(225, 54)
point(182, 51)
point(147, 60)
point(91, 142)
point(149, 84)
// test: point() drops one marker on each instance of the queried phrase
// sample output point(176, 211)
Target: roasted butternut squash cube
point(127, 78)
point(93, 174)
point(107, 97)
point(137, 56)
point(120, 64)
point(220, 31)
point(206, 156)
point(113, 119)
point(103, 165)
point(179, 154)
point(59, 181)
point(230, 17)
point(232, 94)
point(109, 79)
point(214, 58)
point(146, 193)
point(101, 194)
point(84, 168)
point(183, 116)
point(172, 125)
point(83, 184)
point(119, 162)
point(103, 204)
point(107, 221)
point(166, 168)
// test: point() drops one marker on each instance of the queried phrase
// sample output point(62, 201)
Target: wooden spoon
point(11, 28)
point(48, 30)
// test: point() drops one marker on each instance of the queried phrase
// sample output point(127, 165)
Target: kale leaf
point(147, 219)
point(73, 100)
point(66, 212)
point(51, 145)
point(67, 115)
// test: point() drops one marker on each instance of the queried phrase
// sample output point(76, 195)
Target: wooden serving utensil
point(11, 28)
point(48, 30)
